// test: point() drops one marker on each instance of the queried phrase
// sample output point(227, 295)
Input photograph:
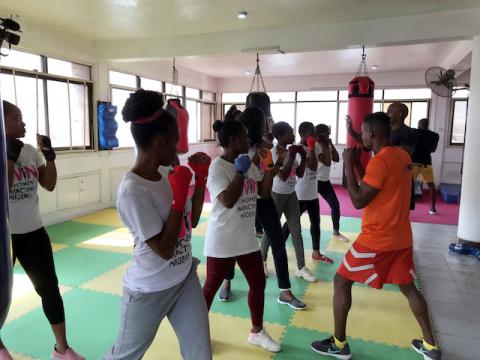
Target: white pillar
point(469, 221)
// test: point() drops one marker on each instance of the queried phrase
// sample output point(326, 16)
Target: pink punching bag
point(360, 104)
point(175, 108)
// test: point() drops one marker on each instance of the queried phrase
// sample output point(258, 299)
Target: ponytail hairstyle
point(226, 130)
point(144, 110)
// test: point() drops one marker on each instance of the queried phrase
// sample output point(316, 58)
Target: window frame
point(45, 76)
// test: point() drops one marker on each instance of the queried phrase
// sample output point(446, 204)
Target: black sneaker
point(434, 354)
point(327, 347)
point(224, 294)
point(294, 303)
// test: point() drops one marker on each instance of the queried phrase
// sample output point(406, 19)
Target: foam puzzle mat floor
point(92, 253)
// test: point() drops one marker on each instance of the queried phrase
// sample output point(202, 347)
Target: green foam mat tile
point(92, 320)
point(296, 346)
point(76, 266)
point(72, 233)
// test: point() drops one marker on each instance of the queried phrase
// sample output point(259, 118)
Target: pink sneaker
point(5, 355)
point(70, 354)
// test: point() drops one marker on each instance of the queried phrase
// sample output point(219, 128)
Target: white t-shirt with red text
point(23, 198)
point(231, 232)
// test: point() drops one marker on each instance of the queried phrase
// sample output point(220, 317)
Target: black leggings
point(270, 221)
point(34, 252)
point(312, 207)
point(325, 189)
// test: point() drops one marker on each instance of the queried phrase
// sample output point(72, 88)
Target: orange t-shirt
point(385, 220)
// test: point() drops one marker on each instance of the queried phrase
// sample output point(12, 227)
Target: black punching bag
point(261, 100)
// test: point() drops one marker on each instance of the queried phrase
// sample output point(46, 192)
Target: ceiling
point(118, 19)
point(416, 57)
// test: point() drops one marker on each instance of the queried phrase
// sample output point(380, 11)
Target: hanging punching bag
point(261, 100)
point(360, 103)
point(175, 108)
point(6, 275)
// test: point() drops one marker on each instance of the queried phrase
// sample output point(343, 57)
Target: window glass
point(194, 128)
point(58, 113)
point(460, 108)
point(283, 112)
point(122, 79)
point(318, 113)
point(173, 89)
point(234, 97)
point(68, 69)
point(208, 96)
point(192, 93)
point(404, 94)
point(22, 60)
point(124, 136)
point(316, 95)
point(281, 96)
point(149, 84)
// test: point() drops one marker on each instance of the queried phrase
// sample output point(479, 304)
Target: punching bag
point(261, 100)
point(175, 108)
point(360, 103)
point(6, 275)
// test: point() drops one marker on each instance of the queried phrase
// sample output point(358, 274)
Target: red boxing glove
point(311, 142)
point(179, 180)
point(200, 163)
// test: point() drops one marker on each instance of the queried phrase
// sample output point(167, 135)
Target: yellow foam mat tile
point(109, 282)
point(202, 271)
point(226, 344)
point(21, 357)
point(119, 240)
point(58, 247)
point(24, 297)
point(325, 222)
point(340, 246)
point(107, 217)
point(201, 229)
point(377, 315)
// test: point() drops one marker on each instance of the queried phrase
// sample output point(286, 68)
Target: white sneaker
point(341, 238)
point(432, 212)
point(306, 274)
point(264, 340)
point(265, 268)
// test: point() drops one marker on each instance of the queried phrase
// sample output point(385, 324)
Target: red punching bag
point(175, 108)
point(360, 103)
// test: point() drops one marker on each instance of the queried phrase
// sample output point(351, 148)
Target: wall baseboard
point(69, 214)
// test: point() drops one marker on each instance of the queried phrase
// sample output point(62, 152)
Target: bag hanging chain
point(363, 68)
point(258, 76)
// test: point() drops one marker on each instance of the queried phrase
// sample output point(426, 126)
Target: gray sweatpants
point(142, 313)
point(288, 204)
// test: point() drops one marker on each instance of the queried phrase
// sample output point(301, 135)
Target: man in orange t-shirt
point(382, 253)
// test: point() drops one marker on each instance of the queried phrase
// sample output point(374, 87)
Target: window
point(121, 79)
point(192, 93)
point(69, 69)
point(331, 106)
point(149, 84)
point(199, 104)
point(318, 113)
point(459, 120)
point(124, 136)
point(57, 106)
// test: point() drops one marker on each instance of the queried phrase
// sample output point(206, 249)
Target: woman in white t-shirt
point(284, 196)
point(326, 155)
point(230, 236)
point(306, 189)
point(30, 242)
point(161, 280)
